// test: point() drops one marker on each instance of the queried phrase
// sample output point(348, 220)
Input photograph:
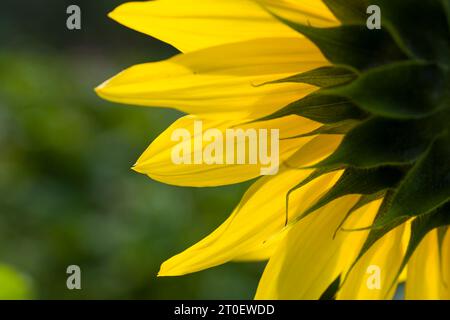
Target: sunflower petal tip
point(100, 89)
point(137, 167)
point(113, 14)
point(165, 271)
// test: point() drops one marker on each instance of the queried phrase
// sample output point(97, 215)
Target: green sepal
point(419, 25)
point(425, 187)
point(332, 290)
point(360, 181)
point(323, 77)
point(379, 141)
point(348, 11)
point(353, 45)
point(405, 20)
point(439, 213)
point(403, 90)
point(334, 128)
point(320, 108)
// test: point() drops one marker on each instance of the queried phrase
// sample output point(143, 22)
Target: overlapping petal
point(231, 50)
point(379, 265)
point(158, 160)
point(222, 79)
point(309, 259)
point(258, 222)
point(189, 25)
point(312, 12)
point(426, 271)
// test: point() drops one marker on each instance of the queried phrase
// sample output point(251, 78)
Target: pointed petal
point(425, 276)
point(158, 163)
point(309, 259)
point(313, 12)
point(220, 80)
point(190, 25)
point(383, 259)
point(256, 223)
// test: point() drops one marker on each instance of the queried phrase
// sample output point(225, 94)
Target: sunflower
point(361, 201)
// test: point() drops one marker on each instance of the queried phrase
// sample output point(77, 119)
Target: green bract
point(388, 91)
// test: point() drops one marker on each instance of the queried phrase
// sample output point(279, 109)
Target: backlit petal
point(372, 276)
point(256, 223)
point(158, 162)
point(309, 259)
point(425, 274)
point(189, 25)
point(312, 12)
point(221, 80)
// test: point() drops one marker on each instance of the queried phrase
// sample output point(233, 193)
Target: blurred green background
point(67, 194)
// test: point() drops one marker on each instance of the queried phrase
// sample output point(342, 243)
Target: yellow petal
point(220, 80)
point(425, 281)
point(308, 260)
point(313, 12)
point(263, 251)
point(256, 223)
point(372, 276)
point(446, 264)
point(190, 25)
point(158, 162)
point(403, 276)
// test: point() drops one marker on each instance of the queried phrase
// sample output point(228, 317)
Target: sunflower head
point(388, 91)
point(315, 69)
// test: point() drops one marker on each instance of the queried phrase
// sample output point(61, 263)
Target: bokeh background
point(67, 194)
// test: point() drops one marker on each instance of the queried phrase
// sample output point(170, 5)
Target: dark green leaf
point(402, 90)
